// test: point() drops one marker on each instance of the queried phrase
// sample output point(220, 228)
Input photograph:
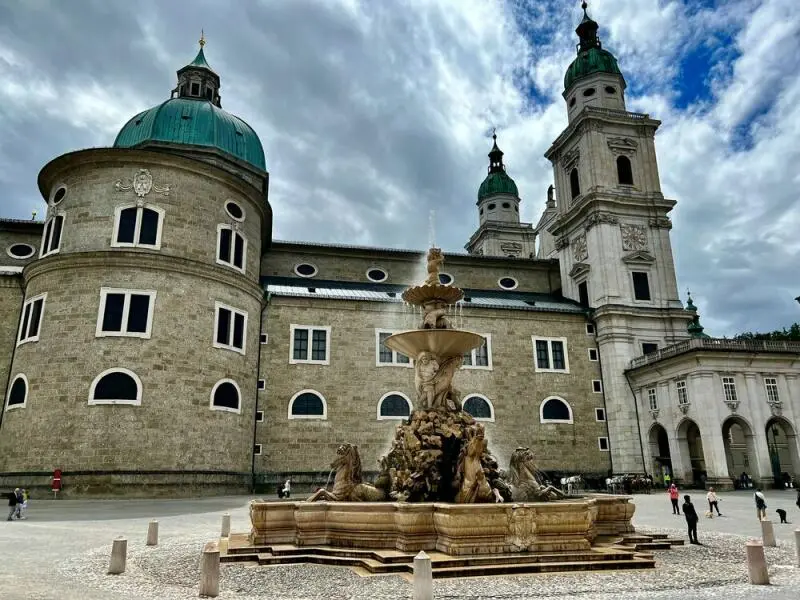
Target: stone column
point(119, 556)
point(209, 573)
point(757, 563)
point(152, 533)
point(423, 577)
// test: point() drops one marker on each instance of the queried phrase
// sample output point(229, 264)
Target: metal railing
point(716, 344)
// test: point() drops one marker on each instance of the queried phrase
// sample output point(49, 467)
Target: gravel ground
point(171, 571)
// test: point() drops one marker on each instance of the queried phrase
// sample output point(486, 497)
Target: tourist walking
point(24, 507)
point(674, 496)
point(12, 505)
point(691, 519)
point(712, 502)
point(761, 504)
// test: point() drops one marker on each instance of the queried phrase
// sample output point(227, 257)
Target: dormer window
point(195, 89)
point(209, 93)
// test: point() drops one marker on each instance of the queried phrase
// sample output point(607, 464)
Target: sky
point(373, 113)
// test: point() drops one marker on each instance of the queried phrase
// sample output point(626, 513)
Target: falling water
point(327, 483)
point(431, 229)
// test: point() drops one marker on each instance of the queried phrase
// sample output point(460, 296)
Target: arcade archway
point(691, 443)
point(740, 448)
point(783, 453)
point(659, 452)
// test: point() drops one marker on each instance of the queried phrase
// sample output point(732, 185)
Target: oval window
point(445, 278)
point(305, 270)
point(377, 275)
point(589, 92)
point(21, 251)
point(492, 206)
point(610, 90)
point(573, 101)
point(234, 211)
point(508, 283)
point(506, 205)
point(59, 194)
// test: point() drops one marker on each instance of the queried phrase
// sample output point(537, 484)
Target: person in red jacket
point(674, 496)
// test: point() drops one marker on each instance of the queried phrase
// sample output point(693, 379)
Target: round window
point(492, 206)
point(445, 278)
point(234, 211)
point(21, 251)
point(508, 283)
point(506, 205)
point(589, 92)
point(573, 101)
point(305, 270)
point(610, 90)
point(377, 275)
point(59, 194)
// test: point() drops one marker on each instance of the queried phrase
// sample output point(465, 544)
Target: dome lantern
point(497, 181)
point(592, 57)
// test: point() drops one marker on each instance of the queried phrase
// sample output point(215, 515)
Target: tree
point(790, 335)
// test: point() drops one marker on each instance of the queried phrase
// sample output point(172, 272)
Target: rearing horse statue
point(470, 479)
point(347, 484)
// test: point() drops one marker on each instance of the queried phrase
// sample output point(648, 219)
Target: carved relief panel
point(580, 252)
point(634, 237)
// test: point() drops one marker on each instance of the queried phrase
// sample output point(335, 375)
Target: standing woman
point(712, 502)
point(674, 496)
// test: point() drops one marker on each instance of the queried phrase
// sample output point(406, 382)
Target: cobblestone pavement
point(61, 552)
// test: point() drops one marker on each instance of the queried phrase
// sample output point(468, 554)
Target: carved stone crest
point(521, 526)
point(634, 237)
point(684, 408)
point(598, 218)
point(622, 145)
point(512, 249)
point(776, 408)
point(580, 252)
point(654, 413)
point(141, 184)
point(732, 404)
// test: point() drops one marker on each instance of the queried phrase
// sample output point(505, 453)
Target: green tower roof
point(591, 56)
point(497, 181)
point(695, 329)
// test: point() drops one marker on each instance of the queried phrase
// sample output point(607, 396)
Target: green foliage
point(792, 334)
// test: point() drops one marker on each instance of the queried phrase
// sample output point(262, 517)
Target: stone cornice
point(607, 201)
point(127, 259)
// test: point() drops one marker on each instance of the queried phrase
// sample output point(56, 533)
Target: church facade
point(154, 338)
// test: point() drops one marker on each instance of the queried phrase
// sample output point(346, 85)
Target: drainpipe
point(13, 352)
point(605, 406)
point(266, 299)
point(638, 422)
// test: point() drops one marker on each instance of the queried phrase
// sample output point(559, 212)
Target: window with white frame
point(51, 238)
point(597, 386)
point(683, 393)
point(137, 226)
point(479, 406)
point(31, 321)
point(771, 383)
point(480, 357)
point(230, 328)
point(550, 355)
point(593, 354)
point(226, 396)
point(386, 356)
point(599, 414)
point(652, 398)
point(18, 393)
point(729, 389)
point(125, 313)
point(394, 405)
point(602, 444)
point(308, 404)
point(310, 344)
point(116, 386)
point(231, 247)
point(257, 449)
point(259, 416)
point(555, 410)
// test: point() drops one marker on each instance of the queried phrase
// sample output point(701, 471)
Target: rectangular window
point(230, 328)
point(31, 319)
point(137, 226)
point(729, 388)
point(641, 286)
point(590, 329)
point(597, 386)
point(652, 398)
point(683, 394)
point(599, 414)
point(264, 338)
point(593, 354)
point(649, 348)
point(602, 444)
point(387, 356)
point(310, 345)
point(231, 247)
point(125, 313)
point(481, 357)
point(51, 239)
point(771, 384)
point(257, 449)
point(262, 384)
point(259, 416)
point(550, 355)
point(583, 293)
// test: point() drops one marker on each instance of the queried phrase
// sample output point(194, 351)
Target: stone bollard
point(797, 544)
point(152, 533)
point(119, 555)
point(768, 533)
point(757, 563)
point(209, 573)
point(423, 577)
point(226, 525)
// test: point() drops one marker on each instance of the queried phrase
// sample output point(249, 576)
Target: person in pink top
point(674, 496)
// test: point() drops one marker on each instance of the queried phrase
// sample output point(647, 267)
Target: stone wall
point(10, 305)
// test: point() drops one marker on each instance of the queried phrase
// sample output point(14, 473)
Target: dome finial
point(495, 155)
point(202, 40)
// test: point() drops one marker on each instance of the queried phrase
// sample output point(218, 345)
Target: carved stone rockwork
point(597, 218)
point(580, 252)
point(634, 237)
point(660, 223)
point(141, 184)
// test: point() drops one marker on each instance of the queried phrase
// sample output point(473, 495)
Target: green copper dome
point(593, 60)
point(497, 181)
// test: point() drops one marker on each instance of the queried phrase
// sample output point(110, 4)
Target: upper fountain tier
point(432, 291)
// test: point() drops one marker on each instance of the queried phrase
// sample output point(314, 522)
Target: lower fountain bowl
point(441, 342)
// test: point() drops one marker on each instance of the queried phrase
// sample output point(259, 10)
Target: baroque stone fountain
point(439, 488)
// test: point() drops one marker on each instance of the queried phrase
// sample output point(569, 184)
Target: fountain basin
point(421, 294)
point(441, 342)
point(457, 529)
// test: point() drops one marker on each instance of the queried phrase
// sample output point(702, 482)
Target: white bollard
point(757, 563)
point(226, 525)
point(423, 577)
point(209, 573)
point(119, 555)
point(152, 533)
point(768, 533)
point(797, 544)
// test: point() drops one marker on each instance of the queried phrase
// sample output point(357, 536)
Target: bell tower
point(611, 231)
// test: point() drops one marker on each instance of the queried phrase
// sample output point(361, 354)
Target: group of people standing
point(689, 512)
point(17, 504)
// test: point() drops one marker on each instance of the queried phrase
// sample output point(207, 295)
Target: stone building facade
point(155, 339)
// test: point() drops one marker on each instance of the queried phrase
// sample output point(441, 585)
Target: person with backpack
point(674, 496)
point(761, 504)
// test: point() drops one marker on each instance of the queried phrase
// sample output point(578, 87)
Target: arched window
point(624, 170)
point(574, 183)
point(479, 406)
point(225, 395)
point(308, 404)
point(394, 405)
point(555, 410)
point(18, 393)
point(116, 386)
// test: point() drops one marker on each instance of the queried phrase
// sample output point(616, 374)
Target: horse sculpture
point(573, 484)
point(525, 486)
point(473, 487)
point(347, 484)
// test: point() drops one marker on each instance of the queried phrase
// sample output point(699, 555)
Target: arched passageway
point(783, 452)
point(661, 459)
point(740, 449)
point(691, 443)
